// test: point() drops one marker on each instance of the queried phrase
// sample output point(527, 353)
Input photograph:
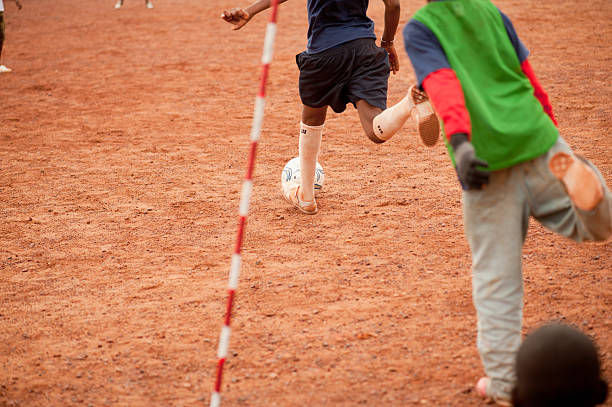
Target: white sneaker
point(119, 4)
point(4, 69)
point(149, 4)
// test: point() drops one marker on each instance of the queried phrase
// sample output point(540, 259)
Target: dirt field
point(123, 144)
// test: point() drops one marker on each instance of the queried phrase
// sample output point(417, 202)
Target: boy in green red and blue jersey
point(511, 162)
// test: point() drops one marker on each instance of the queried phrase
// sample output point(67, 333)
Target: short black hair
point(558, 366)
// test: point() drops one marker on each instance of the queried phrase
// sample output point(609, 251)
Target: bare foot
point(580, 181)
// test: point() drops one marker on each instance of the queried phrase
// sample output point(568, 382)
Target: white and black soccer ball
point(291, 173)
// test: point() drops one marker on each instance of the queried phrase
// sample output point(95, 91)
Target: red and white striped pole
point(247, 188)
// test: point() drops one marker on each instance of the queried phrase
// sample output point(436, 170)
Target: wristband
point(457, 139)
point(383, 42)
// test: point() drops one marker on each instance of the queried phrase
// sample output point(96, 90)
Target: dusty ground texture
point(123, 143)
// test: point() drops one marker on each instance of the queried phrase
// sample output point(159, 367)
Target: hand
point(236, 16)
point(469, 167)
point(393, 58)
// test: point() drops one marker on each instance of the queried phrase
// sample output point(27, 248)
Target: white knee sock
point(310, 142)
point(389, 121)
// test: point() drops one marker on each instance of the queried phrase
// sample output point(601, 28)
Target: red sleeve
point(538, 91)
point(446, 96)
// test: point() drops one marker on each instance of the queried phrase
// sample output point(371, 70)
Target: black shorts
point(356, 70)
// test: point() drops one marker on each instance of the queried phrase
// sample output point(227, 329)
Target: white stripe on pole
point(247, 189)
point(234, 271)
point(224, 341)
point(215, 399)
point(268, 50)
point(260, 103)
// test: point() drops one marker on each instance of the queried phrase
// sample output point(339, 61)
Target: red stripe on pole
point(274, 11)
point(240, 234)
point(264, 78)
point(219, 374)
point(252, 153)
point(230, 303)
point(249, 176)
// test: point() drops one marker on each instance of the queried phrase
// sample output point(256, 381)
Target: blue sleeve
point(519, 47)
point(424, 50)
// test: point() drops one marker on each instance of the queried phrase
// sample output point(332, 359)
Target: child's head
point(558, 366)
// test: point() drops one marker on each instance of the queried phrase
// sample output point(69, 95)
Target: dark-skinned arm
point(239, 17)
point(392, 16)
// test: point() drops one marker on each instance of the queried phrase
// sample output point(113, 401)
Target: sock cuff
point(311, 130)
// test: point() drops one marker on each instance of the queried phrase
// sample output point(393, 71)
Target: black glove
point(469, 167)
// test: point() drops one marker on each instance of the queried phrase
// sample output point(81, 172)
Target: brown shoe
point(427, 122)
point(580, 181)
point(291, 193)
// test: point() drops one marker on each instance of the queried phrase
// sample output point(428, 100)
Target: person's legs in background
point(3, 69)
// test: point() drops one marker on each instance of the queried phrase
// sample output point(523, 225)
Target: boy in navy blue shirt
point(342, 64)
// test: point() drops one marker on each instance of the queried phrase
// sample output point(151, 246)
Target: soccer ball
point(291, 172)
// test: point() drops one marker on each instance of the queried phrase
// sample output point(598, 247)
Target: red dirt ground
point(123, 143)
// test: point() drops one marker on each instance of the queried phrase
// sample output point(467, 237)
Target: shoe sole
point(580, 181)
point(428, 124)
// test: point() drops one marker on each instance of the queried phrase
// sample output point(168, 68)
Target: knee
point(604, 233)
point(602, 230)
point(373, 137)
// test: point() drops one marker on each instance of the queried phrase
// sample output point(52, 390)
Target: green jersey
point(509, 125)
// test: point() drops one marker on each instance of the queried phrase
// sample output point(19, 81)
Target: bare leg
point(314, 116)
point(3, 69)
point(367, 113)
point(1, 32)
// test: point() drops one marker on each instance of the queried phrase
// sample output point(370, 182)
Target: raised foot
point(580, 181)
point(428, 125)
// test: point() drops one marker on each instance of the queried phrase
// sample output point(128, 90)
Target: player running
point(510, 160)
point(4, 69)
point(342, 65)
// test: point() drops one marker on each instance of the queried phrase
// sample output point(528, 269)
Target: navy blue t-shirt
point(334, 22)
point(427, 55)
